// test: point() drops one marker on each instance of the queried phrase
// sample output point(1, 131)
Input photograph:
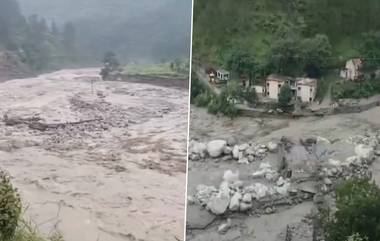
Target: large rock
point(227, 150)
point(216, 148)
point(364, 152)
point(258, 190)
point(245, 206)
point(204, 193)
point(235, 202)
point(198, 218)
point(219, 203)
point(197, 147)
point(235, 152)
point(231, 177)
point(272, 146)
point(231, 141)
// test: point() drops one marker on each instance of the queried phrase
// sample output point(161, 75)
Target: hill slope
point(146, 29)
point(219, 25)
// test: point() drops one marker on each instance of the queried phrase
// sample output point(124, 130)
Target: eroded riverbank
point(336, 138)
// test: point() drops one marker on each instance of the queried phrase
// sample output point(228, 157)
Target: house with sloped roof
point(353, 70)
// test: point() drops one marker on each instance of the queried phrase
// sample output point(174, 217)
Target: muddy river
point(119, 175)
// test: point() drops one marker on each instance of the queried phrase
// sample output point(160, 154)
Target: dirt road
point(119, 177)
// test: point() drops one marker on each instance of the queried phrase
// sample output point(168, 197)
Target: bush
point(10, 208)
point(356, 237)
point(285, 96)
point(250, 95)
point(358, 212)
point(352, 90)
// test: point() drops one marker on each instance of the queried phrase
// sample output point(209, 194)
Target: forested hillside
point(32, 42)
point(144, 30)
point(285, 36)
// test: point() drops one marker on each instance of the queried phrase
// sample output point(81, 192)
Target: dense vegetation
point(48, 34)
point(138, 31)
point(223, 103)
point(35, 41)
point(358, 213)
point(293, 37)
point(12, 225)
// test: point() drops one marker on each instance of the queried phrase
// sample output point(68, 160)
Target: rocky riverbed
point(96, 160)
point(260, 179)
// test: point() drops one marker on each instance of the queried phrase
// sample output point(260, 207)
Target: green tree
point(285, 96)
point(10, 208)
point(229, 97)
point(241, 62)
point(286, 56)
point(370, 49)
point(110, 59)
point(316, 53)
point(69, 36)
point(358, 212)
point(356, 237)
point(250, 95)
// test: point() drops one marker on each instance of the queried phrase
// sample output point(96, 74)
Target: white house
point(259, 89)
point(306, 89)
point(223, 74)
point(274, 83)
point(352, 70)
point(303, 88)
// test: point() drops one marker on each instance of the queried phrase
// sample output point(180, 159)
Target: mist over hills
point(144, 30)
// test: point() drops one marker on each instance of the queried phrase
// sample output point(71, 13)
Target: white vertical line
point(188, 118)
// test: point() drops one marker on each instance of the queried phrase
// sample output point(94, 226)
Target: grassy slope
point(156, 70)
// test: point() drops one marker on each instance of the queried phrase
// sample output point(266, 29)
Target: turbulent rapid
point(109, 163)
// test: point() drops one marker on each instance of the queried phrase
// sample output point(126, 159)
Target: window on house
point(299, 88)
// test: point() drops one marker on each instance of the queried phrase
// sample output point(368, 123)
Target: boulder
point(219, 203)
point(231, 141)
point(364, 152)
point(227, 150)
point(243, 147)
point(250, 151)
point(224, 227)
point(280, 182)
point(247, 198)
point(198, 218)
point(235, 152)
point(243, 160)
point(216, 148)
point(204, 193)
point(197, 147)
point(258, 190)
point(235, 202)
point(251, 158)
point(245, 206)
point(272, 146)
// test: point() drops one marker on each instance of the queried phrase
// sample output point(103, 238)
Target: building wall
point(306, 93)
point(273, 89)
point(259, 89)
point(352, 72)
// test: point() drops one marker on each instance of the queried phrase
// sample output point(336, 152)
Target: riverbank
point(336, 137)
